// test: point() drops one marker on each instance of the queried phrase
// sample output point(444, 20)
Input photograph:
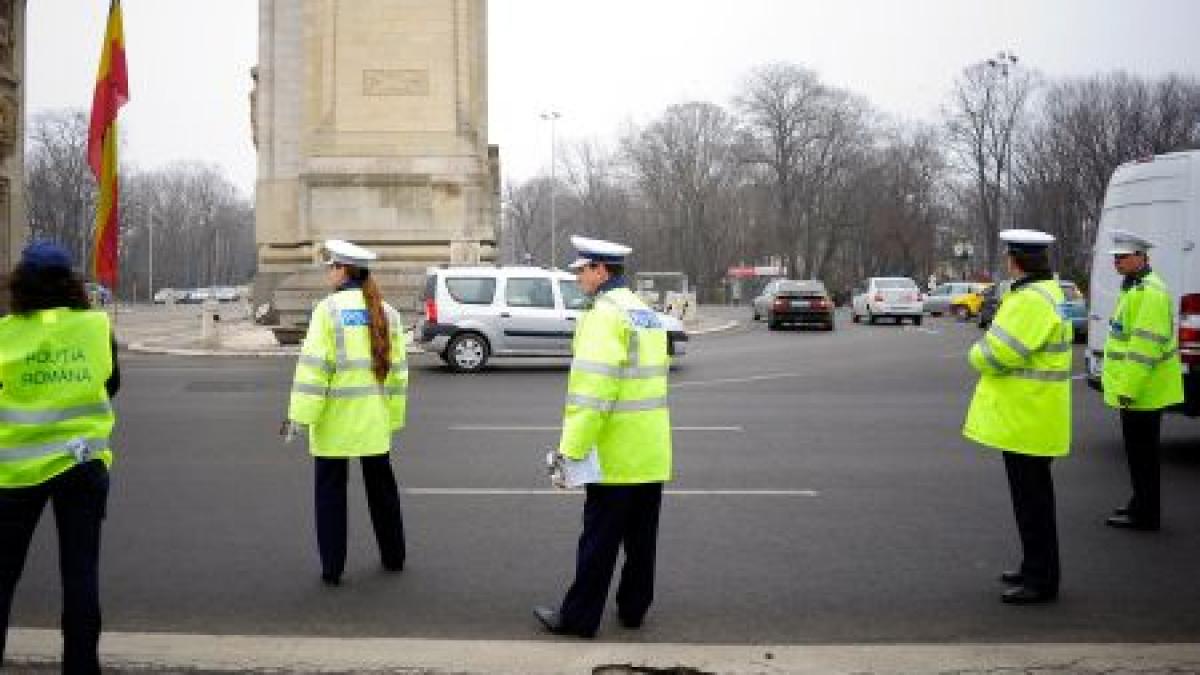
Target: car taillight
point(780, 303)
point(430, 311)
point(1189, 329)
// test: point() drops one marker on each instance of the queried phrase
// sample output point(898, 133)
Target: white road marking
point(519, 429)
point(553, 491)
point(736, 380)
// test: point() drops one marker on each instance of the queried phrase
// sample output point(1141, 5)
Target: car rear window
point(895, 283)
point(472, 290)
point(803, 288)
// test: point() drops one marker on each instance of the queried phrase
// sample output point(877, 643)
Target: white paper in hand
point(580, 472)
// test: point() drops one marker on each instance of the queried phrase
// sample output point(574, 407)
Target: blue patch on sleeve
point(644, 318)
point(354, 317)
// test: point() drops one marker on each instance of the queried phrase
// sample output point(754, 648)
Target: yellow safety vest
point(348, 413)
point(1023, 400)
point(54, 409)
point(617, 391)
point(1141, 352)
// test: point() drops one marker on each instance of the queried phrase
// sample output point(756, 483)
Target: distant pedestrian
point(58, 371)
point(1022, 406)
point(1142, 374)
point(617, 418)
point(350, 391)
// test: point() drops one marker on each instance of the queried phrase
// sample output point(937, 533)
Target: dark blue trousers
point(614, 517)
point(1032, 490)
point(383, 501)
point(79, 496)
point(1142, 430)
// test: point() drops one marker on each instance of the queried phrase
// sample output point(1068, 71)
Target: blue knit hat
point(39, 255)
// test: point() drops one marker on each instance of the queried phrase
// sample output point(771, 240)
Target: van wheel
point(467, 352)
point(917, 321)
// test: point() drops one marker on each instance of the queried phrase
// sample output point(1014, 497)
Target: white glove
point(290, 430)
point(554, 468)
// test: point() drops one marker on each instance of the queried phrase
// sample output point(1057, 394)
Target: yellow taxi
point(966, 306)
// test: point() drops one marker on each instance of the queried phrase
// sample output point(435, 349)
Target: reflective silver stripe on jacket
point(82, 448)
point(1044, 293)
point(603, 405)
point(339, 333)
point(628, 373)
point(1140, 358)
point(986, 350)
point(1153, 337)
point(1041, 375)
point(317, 362)
point(1057, 347)
point(1007, 338)
point(17, 416)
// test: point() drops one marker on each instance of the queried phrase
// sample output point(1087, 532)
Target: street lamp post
point(552, 117)
point(1001, 65)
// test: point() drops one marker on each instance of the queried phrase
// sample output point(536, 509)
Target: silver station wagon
point(470, 314)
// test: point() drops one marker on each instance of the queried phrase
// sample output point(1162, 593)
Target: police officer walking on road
point(58, 370)
point(616, 407)
point(350, 392)
point(1142, 374)
point(1022, 406)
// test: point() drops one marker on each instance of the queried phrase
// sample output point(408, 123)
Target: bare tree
point(982, 119)
point(60, 189)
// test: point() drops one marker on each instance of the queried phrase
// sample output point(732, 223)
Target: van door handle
point(505, 315)
point(570, 318)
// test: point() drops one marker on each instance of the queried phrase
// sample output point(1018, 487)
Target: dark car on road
point(799, 303)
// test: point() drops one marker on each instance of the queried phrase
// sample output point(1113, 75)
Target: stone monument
point(370, 119)
point(12, 135)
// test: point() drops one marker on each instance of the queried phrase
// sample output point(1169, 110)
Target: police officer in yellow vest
point(1022, 406)
point(57, 372)
point(350, 391)
point(1142, 374)
point(616, 419)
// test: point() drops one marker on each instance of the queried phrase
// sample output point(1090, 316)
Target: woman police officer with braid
point(350, 391)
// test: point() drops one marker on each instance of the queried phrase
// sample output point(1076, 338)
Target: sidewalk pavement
point(36, 651)
point(176, 330)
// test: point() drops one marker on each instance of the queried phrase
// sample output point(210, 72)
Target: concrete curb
point(162, 652)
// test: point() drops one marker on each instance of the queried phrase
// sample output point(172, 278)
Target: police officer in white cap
point(1022, 406)
point(616, 419)
point(1142, 373)
point(350, 392)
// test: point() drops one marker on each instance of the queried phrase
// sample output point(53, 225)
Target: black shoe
point(629, 622)
point(1127, 522)
point(1027, 595)
point(331, 579)
point(1012, 577)
point(552, 621)
point(1121, 511)
point(394, 567)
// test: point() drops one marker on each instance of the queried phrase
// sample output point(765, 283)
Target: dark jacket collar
point(1135, 279)
point(1031, 279)
point(612, 283)
point(350, 285)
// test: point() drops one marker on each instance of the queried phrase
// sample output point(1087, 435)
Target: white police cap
point(1125, 242)
point(338, 252)
point(1026, 240)
point(597, 251)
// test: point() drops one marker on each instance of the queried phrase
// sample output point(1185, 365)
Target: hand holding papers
point(572, 473)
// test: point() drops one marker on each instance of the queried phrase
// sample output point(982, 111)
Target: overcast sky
point(602, 63)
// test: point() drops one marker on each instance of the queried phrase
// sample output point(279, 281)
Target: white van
point(1159, 199)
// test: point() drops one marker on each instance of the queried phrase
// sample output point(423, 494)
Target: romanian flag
point(112, 91)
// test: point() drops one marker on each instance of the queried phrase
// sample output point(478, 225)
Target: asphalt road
point(827, 497)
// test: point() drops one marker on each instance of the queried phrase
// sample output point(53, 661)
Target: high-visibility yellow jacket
point(54, 409)
point(1141, 353)
point(617, 391)
point(1023, 400)
point(348, 412)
